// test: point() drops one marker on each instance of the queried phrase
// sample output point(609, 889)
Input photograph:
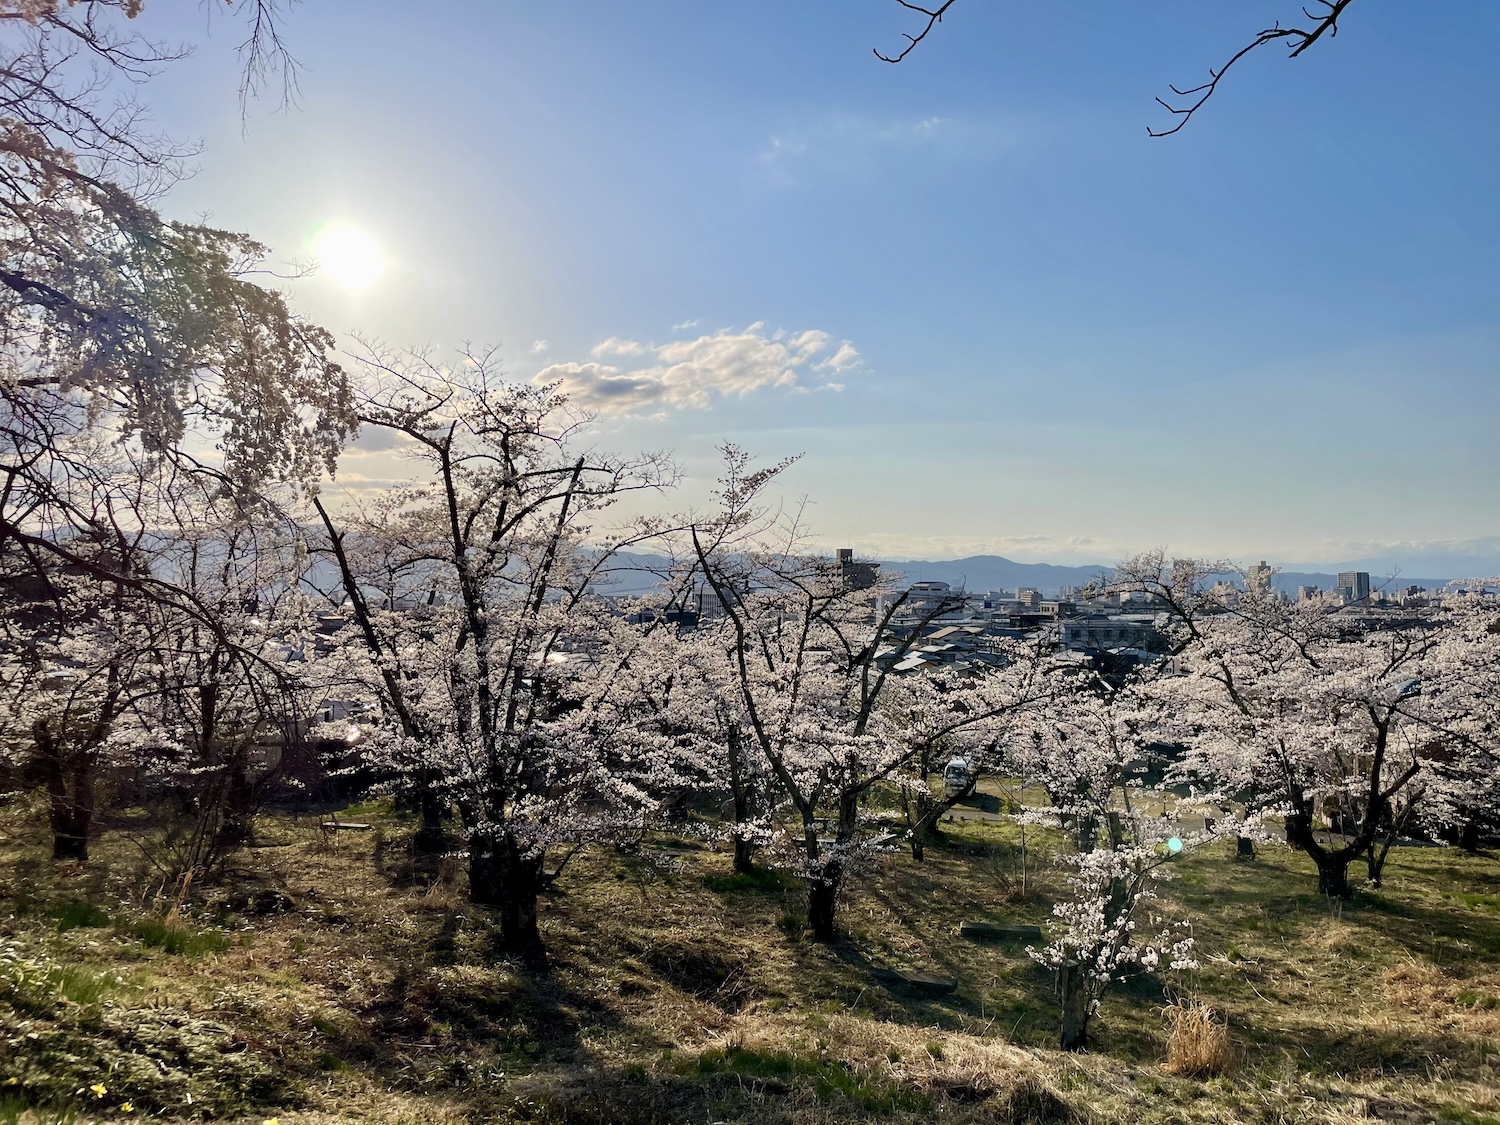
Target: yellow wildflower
point(271, 1121)
point(12, 1081)
point(99, 1090)
point(127, 1107)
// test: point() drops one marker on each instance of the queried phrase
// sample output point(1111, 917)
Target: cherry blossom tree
point(1336, 713)
point(217, 706)
point(64, 672)
point(708, 717)
point(1099, 935)
point(512, 699)
point(1093, 748)
point(107, 672)
point(808, 651)
point(1460, 791)
point(119, 329)
point(968, 713)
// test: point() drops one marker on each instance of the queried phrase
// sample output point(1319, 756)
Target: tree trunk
point(1333, 875)
point(1333, 866)
point(738, 805)
point(1086, 833)
point(744, 855)
point(822, 903)
point(1244, 848)
point(823, 885)
point(1072, 984)
point(429, 839)
point(72, 816)
point(503, 878)
point(237, 825)
point(72, 805)
point(1376, 856)
point(927, 825)
point(926, 828)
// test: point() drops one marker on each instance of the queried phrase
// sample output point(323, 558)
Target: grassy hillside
point(322, 984)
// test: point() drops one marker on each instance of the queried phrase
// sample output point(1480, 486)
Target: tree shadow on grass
point(1435, 934)
point(457, 1018)
point(1318, 1048)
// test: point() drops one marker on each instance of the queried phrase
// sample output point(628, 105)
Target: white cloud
point(539, 346)
point(842, 360)
point(615, 345)
point(849, 141)
point(684, 325)
point(693, 373)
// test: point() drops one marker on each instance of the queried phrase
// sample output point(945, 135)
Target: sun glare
point(348, 257)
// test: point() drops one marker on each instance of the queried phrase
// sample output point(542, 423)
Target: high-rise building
point(1259, 576)
point(1356, 583)
point(1028, 597)
point(857, 575)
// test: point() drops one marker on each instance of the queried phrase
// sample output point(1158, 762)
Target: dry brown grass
point(1198, 1046)
point(680, 996)
point(1454, 998)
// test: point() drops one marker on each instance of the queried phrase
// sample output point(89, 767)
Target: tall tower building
point(1258, 577)
point(1357, 582)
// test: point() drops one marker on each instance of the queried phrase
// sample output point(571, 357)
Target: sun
point(348, 256)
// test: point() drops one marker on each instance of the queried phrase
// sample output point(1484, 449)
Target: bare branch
point(934, 17)
point(264, 54)
point(1299, 38)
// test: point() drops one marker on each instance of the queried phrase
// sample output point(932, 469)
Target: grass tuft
point(1198, 1046)
point(80, 915)
point(175, 937)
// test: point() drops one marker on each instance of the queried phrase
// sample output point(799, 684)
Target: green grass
point(827, 1080)
point(35, 987)
point(175, 937)
point(1459, 1115)
point(763, 880)
point(81, 915)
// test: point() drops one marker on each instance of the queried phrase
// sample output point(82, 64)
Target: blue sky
point(1275, 334)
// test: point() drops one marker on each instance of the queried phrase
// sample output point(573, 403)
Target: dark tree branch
point(1299, 38)
point(1324, 15)
point(934, 17)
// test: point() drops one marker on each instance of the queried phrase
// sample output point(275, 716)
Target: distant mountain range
point(637, 573)
point(979, 573)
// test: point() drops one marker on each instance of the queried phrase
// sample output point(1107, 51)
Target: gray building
point(1356, 583)
point(1110, 632)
